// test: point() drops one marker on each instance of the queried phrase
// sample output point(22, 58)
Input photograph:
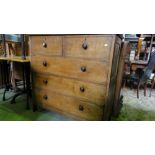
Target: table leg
point(28, 85)
point(138, 90)
point(152, 85)
point(15, 96)
point(6, 78)
point(145, 85)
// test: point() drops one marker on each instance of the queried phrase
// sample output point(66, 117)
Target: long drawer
point(70, 87)
point(93, 47)
point(92, 71)
point(68, 105)
point(46, 45)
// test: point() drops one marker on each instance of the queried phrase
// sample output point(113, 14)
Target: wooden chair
point(127, 64)
point(143, 82)
point(152, 84)
point(147, 73)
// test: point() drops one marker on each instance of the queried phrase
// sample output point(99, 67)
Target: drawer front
point(93, 47)
point(46, 45)
point(67, 105)
point(90, 71)
point(70, 87)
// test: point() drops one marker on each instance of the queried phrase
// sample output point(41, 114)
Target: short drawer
point(46, 45)
point(91, 47)
point(67, 105)
point(91, 71)
point(70, 87)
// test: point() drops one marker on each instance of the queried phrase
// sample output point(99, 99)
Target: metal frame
point(26, 73)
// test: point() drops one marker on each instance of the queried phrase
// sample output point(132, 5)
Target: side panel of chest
point(113, 79)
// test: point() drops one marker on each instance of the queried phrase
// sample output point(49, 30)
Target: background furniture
point(141, 45)
point(152, 84)
point(9, 58)
point(1, 76)
point(1, 81)
point(147, 78)
point(75, 74)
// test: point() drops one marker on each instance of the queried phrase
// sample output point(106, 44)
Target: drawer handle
point(45, 63)
point(81, 108)
point(45, 81)
point(45, 97)
point(82, 89)
point(85, 45)
point(83, 69)
point(44, 45)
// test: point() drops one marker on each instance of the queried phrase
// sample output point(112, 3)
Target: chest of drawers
point(75, 74)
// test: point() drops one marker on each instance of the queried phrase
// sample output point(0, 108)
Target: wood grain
point(117, 102)
point(92, 92)
point(73, 106)
point(97, 47)
point(71, 62)
point(108, 110)
point(96, 72)
point(54, 45)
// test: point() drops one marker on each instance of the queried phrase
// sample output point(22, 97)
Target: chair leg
point(124, 83)
point(145, 89)
point(138, 91)
point(152, 85)
point(3, 98)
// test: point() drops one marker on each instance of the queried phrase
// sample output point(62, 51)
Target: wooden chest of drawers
point(75, 74)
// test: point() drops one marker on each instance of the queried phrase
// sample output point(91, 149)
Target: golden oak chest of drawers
point(75, 74)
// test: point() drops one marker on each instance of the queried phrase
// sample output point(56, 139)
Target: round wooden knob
point(44, 45)
point(45, 97)
point(81, 108)
point(45, 63)
point(82, 89)
point(45, 81)
point(83, 69)
point(85, 45)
